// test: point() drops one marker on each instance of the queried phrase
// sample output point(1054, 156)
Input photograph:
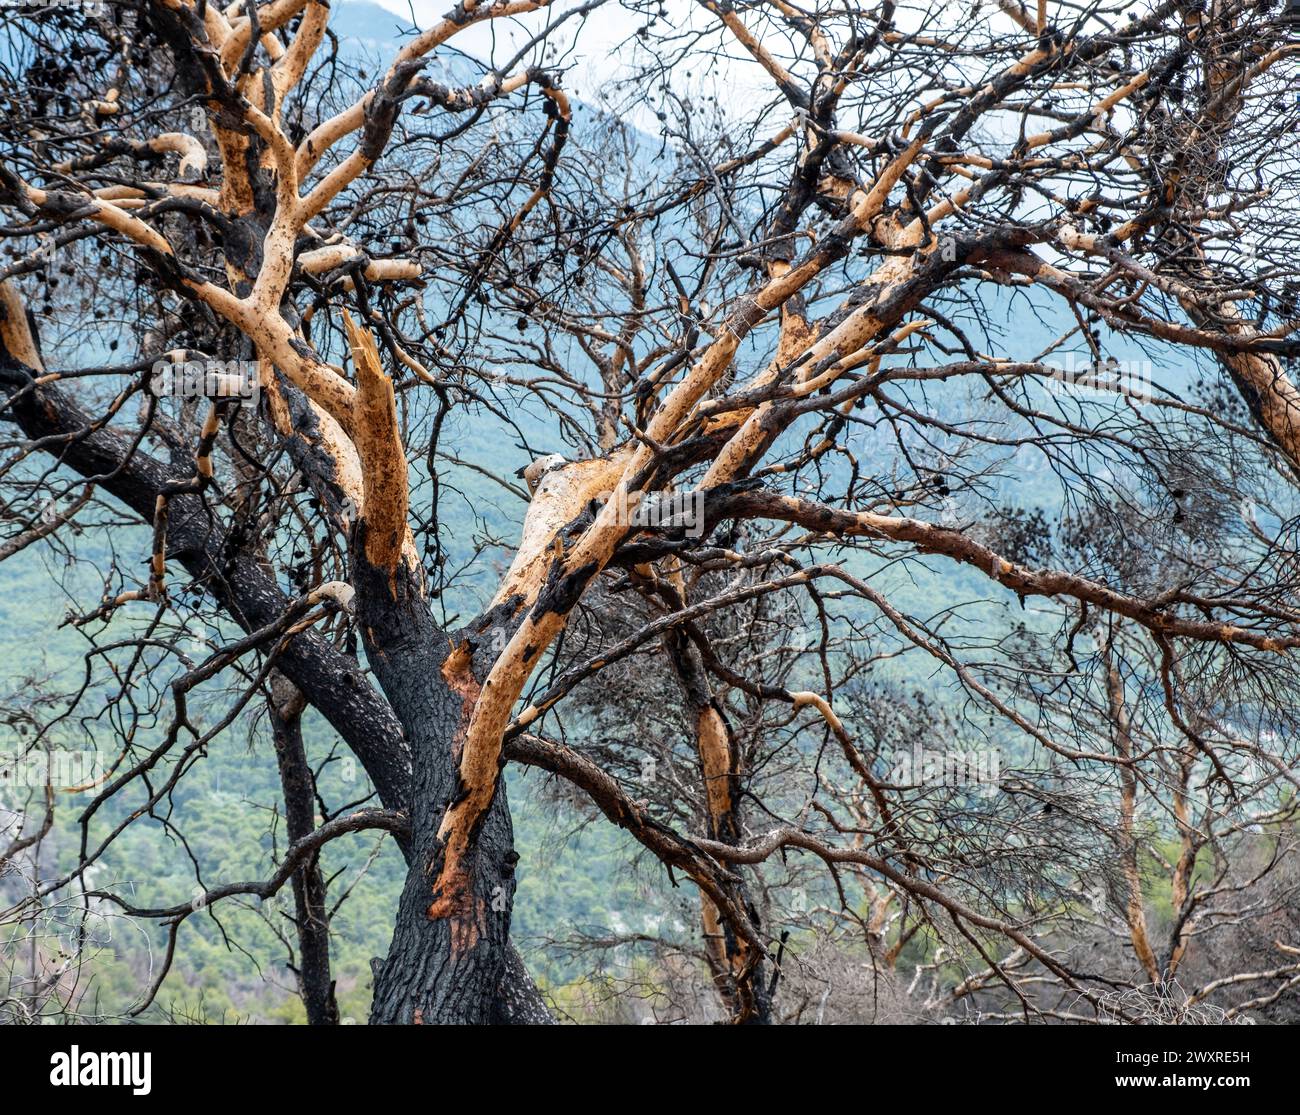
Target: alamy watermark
point(88, 1068)
point(666, 511)
point(977, 768)
point(211, 379)
point(63, 769)
point(98, 8)
point(1131, 378)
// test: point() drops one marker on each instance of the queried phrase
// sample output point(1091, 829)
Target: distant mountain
point(369, 25)
point(366, 30)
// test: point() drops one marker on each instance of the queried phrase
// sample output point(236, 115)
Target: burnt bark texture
point(311, 911)
point(439, 969)
point(336, 685)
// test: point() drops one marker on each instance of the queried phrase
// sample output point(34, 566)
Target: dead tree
point(767, 351)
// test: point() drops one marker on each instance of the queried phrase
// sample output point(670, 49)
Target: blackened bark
point(311, 914)
point(333, 682)
point(518, 1002)
point(446, 969)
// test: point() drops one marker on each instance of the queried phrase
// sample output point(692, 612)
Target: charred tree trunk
point(311, 915)
point(333, 682)
point(440, 969)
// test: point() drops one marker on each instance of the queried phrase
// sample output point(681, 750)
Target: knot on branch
point(745, 314)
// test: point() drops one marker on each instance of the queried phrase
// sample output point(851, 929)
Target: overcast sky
point(602, 52)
